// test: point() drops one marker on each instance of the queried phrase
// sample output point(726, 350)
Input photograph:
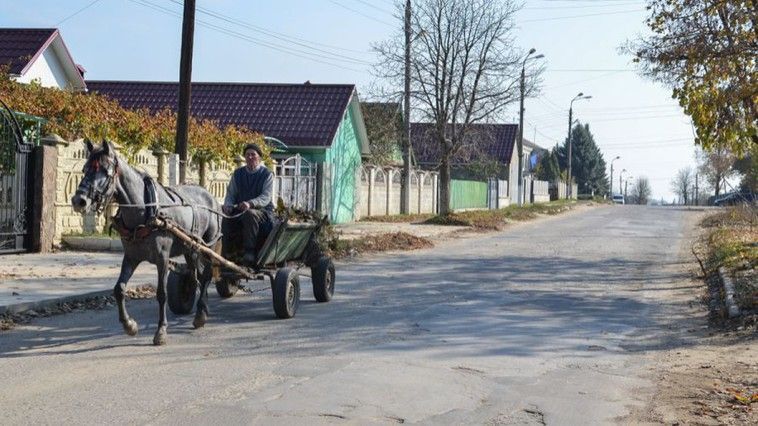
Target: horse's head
point(99, 182)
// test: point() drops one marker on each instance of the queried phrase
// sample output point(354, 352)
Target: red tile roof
point(485, 141)
point(297, 114)
point(18, 46)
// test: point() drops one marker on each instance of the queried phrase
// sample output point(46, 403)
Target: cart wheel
point(227, 287)
point(181, 293)
point(286, 293)
point(322, 276)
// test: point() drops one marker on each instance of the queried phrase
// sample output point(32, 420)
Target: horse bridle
point(100, 199)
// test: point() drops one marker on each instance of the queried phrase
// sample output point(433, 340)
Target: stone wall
point(380, 191)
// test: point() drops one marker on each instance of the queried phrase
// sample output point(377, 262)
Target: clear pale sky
point(328, 41)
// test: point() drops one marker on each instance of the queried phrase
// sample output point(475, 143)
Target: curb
point(93, 244)
point(731, 306)
point(21, 307)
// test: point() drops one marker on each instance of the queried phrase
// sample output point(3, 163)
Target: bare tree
point(716, 165)
point(465, 70)
point(683, 183)
point(641, 191)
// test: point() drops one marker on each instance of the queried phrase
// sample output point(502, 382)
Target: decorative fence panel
point(379, 191)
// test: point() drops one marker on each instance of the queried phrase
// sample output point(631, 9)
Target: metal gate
point(15, 184)
point(295, 183)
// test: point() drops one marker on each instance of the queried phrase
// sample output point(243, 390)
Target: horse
point(106, 176)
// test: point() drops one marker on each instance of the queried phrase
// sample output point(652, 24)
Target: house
point(489, 151)
point(321, 122)
point(39, 54)
point(384, 126)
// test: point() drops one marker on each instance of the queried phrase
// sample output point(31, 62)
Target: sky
point(329, 41)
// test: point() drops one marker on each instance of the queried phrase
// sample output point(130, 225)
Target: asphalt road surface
point(549, 322)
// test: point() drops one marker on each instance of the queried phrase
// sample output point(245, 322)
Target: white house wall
point(48, 70)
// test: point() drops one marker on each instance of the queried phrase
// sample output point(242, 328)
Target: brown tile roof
point(297, 114)
point(18, 46)
point(485, 141)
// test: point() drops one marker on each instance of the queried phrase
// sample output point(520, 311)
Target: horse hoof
point(160, 338)
point(199, 320)
point(130, 327)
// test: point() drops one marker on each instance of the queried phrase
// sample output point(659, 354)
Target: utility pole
point(697, 192)
point(611, 190)
point(185, 81)
point(520, 140)
point(405, 187)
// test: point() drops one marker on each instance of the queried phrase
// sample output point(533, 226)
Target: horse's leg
point(160, 334)
point(205, 270)
point(127, 270)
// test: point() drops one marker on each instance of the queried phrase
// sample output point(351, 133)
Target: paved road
point(548, 322)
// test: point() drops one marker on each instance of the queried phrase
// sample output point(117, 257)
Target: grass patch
point(398, 218)
point(338, 248)
point(731, 241)
point(497, 219)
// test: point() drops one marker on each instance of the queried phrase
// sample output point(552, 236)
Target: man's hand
point(227, 209)
point(244, 206)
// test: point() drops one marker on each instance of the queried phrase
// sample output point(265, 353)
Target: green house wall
point(344, 160)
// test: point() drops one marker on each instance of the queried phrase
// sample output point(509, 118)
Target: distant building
point(39, 54)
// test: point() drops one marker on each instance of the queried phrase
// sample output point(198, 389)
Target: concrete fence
point(379, 192)
point(164, 168)
point(558, 190)
point(540, 191)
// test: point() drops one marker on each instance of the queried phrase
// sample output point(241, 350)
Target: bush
point(74, 115)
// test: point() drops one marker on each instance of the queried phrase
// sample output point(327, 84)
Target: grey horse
point(192, 208)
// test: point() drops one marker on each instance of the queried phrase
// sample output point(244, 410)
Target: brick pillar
point(45, 172)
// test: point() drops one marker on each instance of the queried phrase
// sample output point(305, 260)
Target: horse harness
point(153, 211)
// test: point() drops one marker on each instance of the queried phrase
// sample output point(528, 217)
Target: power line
point(620, 3)
point(362, 14)
point(234, 34)
point(77, 12)
point(376, 7)
point(583, 16)
point(590, 70)
point(268, 32)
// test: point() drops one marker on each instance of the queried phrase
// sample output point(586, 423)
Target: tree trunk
point(445, 182)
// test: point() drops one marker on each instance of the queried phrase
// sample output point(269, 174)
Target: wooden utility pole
point(405, 187)
point(185, 81)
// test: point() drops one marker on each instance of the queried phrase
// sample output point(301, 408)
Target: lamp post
point(521, 126)
point(611, 190)
point(626, 184)
point(571, 106)
point(621, 174)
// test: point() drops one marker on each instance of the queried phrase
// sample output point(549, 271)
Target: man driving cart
point(249, 194)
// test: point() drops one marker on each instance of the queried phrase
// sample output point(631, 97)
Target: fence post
point(389, 173)
point(160, 155)
point(371, 177)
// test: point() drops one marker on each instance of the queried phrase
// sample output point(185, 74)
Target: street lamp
point(611, 190)
point(571, 106)
point(626, 184)
point(520, 141)
point(621, 174)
